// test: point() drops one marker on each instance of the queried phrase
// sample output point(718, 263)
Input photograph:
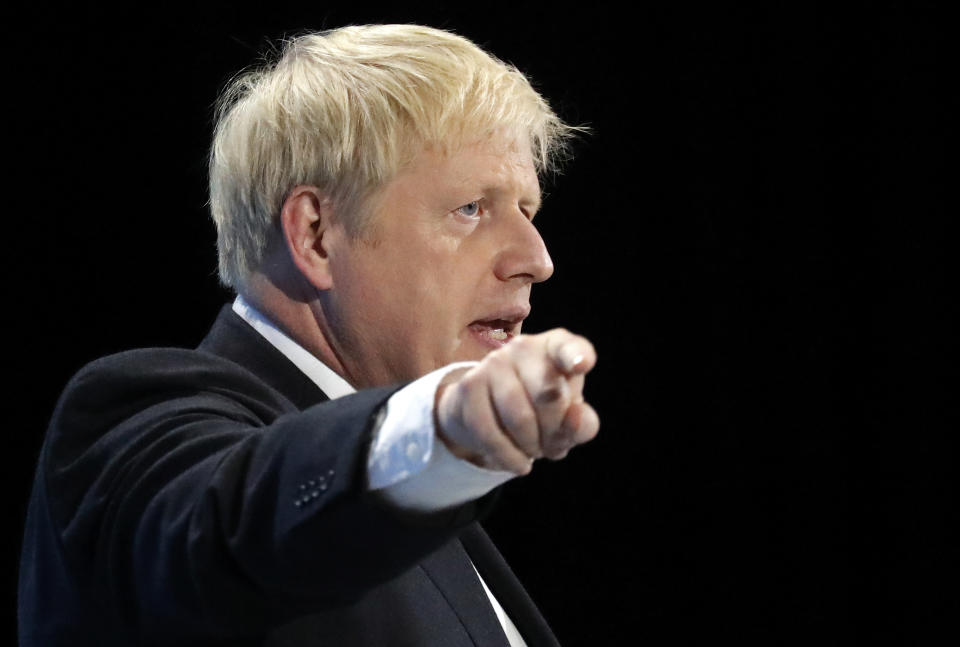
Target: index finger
point(571, 354)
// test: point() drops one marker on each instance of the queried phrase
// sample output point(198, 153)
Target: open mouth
point(495, 332)
point(497, 329)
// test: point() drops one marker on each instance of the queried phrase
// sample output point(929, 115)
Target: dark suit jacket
point(212, 496)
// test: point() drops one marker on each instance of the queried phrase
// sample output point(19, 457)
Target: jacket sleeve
point(199, 502)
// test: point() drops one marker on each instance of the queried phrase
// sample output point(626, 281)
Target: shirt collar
point(322, 375)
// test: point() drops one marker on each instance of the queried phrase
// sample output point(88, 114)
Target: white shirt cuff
point(412, 468)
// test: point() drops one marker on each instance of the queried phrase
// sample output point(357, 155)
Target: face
point(448, 274)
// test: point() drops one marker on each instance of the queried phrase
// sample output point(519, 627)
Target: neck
point(293, 305)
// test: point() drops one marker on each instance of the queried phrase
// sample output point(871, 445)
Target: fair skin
point(444, 276)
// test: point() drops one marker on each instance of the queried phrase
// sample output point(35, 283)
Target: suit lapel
point(506, 587)
point(234, 339)
point(450, 570)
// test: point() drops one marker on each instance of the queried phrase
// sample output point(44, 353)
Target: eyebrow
point(533, 205)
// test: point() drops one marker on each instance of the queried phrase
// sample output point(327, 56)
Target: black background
point(755, 236)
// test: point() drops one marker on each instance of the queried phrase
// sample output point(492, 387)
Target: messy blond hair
point(344, 110)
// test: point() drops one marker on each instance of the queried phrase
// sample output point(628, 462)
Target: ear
point(306, 221)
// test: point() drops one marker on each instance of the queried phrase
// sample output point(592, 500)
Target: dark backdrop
point(754, 235)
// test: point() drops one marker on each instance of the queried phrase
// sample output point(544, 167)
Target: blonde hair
point(344, 110)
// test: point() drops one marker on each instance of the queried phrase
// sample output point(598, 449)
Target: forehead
point(486, 168)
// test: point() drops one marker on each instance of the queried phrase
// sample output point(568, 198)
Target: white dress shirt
point(406, 463)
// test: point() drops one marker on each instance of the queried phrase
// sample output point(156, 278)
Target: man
point(313, 472)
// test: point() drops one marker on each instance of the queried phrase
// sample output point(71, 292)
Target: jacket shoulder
point(117, 406)
point(114, 387)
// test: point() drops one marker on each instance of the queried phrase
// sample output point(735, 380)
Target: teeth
point(498, 333)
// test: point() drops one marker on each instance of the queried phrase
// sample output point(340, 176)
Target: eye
point(471, 209)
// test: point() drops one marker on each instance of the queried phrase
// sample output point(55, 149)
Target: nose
point(523, 254)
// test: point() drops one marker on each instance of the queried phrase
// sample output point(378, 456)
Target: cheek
point(407, 300)
point(430, 290)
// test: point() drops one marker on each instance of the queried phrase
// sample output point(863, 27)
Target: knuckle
point(554, 393)
point(593, 429)
point(519, 415)
point(590, 434)
point(523, 343)
point(460, 389)
point(482, 434)
point(588, 430)
point(472, 380)
point(557, 451)
point(499, 360)
point(475, 426)
point(521, 466)
point(565, 437)
point(530, 344)
point(551, 394)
